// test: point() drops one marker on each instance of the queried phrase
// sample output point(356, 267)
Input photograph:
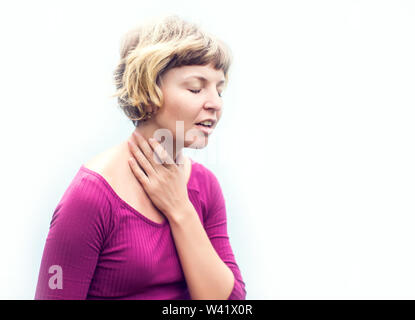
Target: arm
point(207, 276)
point(216, 228)
point(73, 244)
point(205, 253)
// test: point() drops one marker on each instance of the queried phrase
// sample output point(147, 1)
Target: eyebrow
point(203, 79)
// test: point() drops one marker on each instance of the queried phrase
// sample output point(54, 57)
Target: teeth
point(206, 123)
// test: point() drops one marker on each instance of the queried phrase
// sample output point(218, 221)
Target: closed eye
point(197, 91)
point(194, 91)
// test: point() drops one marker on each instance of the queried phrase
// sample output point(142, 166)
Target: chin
point(199, 143)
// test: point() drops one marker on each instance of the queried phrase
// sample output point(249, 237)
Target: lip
point(213, 120)
point(206, 130)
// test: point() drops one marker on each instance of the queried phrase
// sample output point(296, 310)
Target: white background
point(314, 152)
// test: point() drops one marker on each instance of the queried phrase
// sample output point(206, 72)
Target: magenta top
point(99, 247)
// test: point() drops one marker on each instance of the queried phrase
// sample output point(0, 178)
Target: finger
point(161, 153)
point(138, 172)
point(140, 158)
point(145, 149)
point(180, 159)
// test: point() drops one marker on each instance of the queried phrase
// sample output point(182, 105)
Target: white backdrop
point(314, 152)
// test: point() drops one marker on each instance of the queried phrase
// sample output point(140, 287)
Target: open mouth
point(206, 129)
point(208, 123)
point(205, 125)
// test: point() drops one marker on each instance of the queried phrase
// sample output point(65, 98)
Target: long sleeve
point(77, 232)
point(216, 229)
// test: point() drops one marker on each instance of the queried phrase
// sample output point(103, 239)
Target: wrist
point(179, 214)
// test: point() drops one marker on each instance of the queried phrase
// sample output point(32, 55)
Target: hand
point(162, 179)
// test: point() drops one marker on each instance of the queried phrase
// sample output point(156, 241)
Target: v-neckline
point(126, 204)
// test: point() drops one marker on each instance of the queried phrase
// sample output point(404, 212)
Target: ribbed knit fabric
point(108, 250)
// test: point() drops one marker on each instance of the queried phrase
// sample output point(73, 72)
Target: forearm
point(207, 276)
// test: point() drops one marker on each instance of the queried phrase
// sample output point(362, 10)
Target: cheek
point(168, 113)
point(176, 108)
point(179, 107)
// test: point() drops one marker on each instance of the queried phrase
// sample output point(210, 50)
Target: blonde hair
point(154, 47)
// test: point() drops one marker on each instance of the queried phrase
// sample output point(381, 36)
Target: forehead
point(193, 72)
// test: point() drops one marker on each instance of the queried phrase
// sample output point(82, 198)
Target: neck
point(148, 129)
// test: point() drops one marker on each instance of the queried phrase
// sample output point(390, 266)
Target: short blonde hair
point(154, 47)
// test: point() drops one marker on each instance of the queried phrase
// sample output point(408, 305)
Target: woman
point(141, 220)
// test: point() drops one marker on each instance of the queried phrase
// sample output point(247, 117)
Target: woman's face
point(188, 100)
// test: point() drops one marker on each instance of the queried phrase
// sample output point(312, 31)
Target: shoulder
point(113, 170)
point(112, 167)
point(88, 191)
point(98, 171)
point(84, 213)
point(103, 162)
point(86, 206)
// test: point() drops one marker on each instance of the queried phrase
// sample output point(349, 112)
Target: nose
point(213, 101)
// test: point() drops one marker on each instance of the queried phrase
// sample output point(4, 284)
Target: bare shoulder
point(99, 162)
point(108, 164)
point(112, 165)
